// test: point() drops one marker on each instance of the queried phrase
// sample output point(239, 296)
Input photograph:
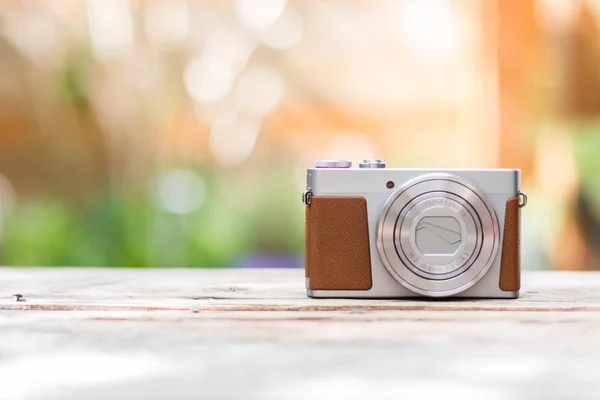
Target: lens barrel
point(438, 235)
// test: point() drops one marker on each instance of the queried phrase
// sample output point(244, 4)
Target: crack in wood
point(295, 308)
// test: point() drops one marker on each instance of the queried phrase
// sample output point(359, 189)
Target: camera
point(378, 232)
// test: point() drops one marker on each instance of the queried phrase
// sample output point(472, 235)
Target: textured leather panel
point(510, 268)
point(306, 244)
point(337, 248)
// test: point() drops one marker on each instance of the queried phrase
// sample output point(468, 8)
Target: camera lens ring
point(438, 183)
point(472, 244)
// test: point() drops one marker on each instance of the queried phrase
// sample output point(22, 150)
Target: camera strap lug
point(307, 198)
point(522, 199)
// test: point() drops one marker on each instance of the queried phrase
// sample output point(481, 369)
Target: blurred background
point(177, 133)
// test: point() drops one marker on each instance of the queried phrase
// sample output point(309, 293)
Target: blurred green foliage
point(587, 160)
point(72, 78)
point(119, 229)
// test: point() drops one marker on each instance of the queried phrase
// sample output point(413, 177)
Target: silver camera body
point(378, 232)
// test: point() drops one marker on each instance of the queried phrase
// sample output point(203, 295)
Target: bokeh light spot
point(257, 13)
point(284, 33)
point(233, 136)
point(230, 45)
point(166, 22)
point(208, 79)
point(111, 26)
point(259, 90)
point(179, 191)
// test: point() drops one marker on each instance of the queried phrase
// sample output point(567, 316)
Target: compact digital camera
point(377, 232)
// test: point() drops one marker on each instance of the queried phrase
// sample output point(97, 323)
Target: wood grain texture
point(253, 334)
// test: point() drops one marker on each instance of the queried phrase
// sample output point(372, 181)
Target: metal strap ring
point(307, 198)
point(522, 199)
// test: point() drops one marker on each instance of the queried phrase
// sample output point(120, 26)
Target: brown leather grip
point(306, 246)
point(510, 267)
point(337, 249)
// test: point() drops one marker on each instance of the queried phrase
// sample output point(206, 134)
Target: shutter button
point(372, 164)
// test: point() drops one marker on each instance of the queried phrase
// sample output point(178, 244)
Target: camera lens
point(438, 235)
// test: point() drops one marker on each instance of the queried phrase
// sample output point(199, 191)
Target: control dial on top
point(333, 164)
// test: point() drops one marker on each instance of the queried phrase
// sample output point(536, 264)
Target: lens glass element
point(438, 235)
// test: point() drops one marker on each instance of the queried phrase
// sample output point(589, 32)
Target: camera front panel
point(375, 187)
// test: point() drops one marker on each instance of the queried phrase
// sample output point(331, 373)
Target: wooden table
point(174, 333)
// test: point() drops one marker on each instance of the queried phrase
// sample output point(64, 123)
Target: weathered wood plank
point(255, 335)
point(255, 290)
